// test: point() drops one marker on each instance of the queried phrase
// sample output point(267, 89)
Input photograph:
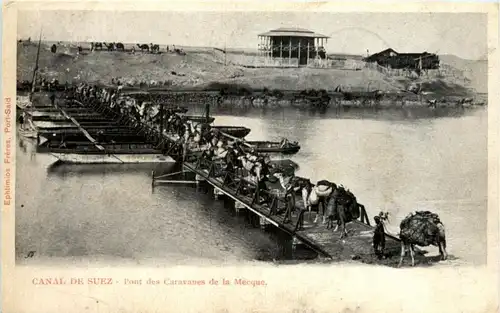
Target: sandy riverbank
point(202, 70)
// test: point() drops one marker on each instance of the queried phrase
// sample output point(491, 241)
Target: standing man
point(52, 99)
point(379, 237)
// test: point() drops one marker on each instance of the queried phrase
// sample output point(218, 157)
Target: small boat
point(53, 110)
point(273, 147)
point(199, 119)
point(69, 128)
point(77, 135)
point(61, 118)
point(235, 131)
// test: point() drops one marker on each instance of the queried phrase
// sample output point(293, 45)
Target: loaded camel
point(110, 46)
point(338, 203)
point(120, 46)
point(432, 103)
point(312, 195)
point(143, 47)
point(95, 45)
point(344, 208)
point(461, 102)
point(154, 48)
point(294, 184)
point(422, 228)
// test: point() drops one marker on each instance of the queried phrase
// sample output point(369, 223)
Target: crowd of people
point(195, 138)
point(114, 99)
point(228, 154)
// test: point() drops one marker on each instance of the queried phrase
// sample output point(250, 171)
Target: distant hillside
point(203, 67)
point(475, 70)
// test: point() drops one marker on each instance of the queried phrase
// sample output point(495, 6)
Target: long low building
point(391, 58)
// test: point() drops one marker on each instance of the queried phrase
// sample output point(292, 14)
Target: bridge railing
point(239, 186)
point(235, 181)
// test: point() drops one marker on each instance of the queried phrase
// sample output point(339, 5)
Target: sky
point(460, 34)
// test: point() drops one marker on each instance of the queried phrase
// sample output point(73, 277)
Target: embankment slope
point(199, 69)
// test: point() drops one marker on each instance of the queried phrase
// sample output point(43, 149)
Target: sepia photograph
point(274, 138)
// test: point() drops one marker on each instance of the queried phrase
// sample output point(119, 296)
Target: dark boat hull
point(199, 119)
point(112, 158)
point(235, 131)
point(114, 154)
point(107, 137)
point(61, 118)
point(272, 147)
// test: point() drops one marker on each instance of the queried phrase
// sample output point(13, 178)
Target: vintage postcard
point(249, 157)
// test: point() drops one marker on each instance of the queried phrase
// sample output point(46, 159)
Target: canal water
point(396, 161)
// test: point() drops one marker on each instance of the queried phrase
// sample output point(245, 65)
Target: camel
point(143, 47)
point(154, 48)
point(120, 46)
point(432, 103)
point(97, 45)
point(422, 228)
point(312, 195)
point(319, 195)
point(293, 184)
point(344, 208)
point(110, 46)
point(463, 101)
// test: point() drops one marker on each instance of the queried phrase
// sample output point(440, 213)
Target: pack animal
point(422, 228)
point(343, 207)
point(120, 46)
point(143, 47)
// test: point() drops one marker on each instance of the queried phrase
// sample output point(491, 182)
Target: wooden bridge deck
point(357, 245)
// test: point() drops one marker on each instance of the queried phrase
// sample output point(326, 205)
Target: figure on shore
point(21, 119)
point(379, 237)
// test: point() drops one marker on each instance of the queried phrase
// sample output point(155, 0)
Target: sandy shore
point(202, 70)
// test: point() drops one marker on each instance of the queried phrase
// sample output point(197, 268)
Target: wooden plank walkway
point(357, 245)
point(90, 138)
